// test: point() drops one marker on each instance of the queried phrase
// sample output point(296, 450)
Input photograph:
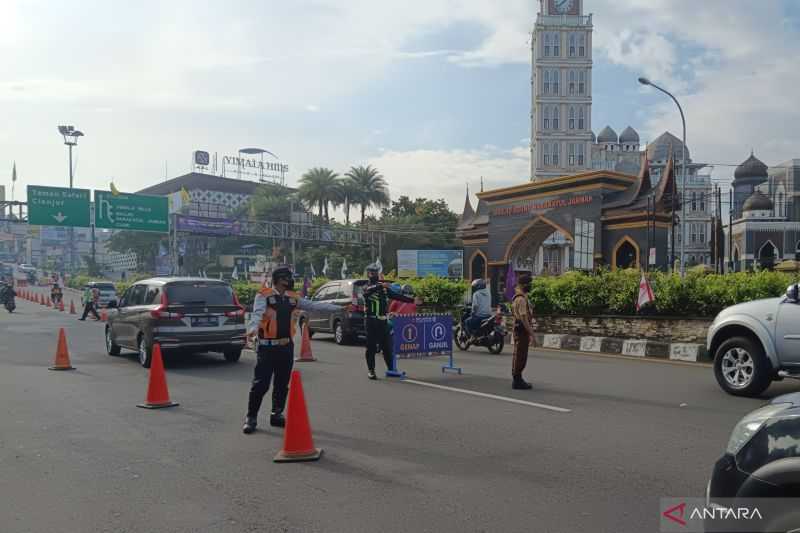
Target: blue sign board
point(422, 335)
point(422, 263)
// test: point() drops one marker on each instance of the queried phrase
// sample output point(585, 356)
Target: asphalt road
point(76, 455)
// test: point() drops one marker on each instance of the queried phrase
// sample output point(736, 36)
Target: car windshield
point(105, 286)
point(200, 293)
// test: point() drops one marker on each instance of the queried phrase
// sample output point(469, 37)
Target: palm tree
point(319, 187)
point(349, 195)
point(373, 191)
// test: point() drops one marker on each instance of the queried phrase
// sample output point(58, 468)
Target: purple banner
point(207, 226)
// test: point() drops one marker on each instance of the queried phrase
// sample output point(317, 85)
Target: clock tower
point(561, 90)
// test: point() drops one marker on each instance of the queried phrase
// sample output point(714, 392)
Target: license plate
point(204, 321)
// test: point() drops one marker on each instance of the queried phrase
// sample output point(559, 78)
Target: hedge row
point(615, 293)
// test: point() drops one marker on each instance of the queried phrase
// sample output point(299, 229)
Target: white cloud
point(445, 173)
point(311, 108)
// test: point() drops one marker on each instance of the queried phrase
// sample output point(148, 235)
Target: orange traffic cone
point(305, 347)
point(36, 298)
point(49, 303)
point(298, 444)
point(62, 353)
point(157, 392)
point(104, 316)
point(72, 307)
point(61, 306)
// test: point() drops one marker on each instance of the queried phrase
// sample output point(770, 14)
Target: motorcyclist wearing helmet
point(376, 296)
point(481, 305)
point(272, 328)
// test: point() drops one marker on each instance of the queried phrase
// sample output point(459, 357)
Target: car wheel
point(232, 354)
point(145, 352)
point(741, 368)
point(338, 333)
point(111, 347)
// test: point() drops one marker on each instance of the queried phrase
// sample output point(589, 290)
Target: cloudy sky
point(435, 93)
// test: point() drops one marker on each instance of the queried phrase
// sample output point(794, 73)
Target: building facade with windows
point(593, 219)
point(561, 90)
point(765, 226)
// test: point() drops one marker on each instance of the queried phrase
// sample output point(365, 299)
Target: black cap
point(282, 271)
point(373, 267)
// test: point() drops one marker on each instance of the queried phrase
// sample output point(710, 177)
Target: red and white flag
point(645, 293)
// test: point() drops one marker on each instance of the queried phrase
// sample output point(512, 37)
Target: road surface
point(592, 447)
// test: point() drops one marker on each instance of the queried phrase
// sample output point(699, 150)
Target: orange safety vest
point(268, 326)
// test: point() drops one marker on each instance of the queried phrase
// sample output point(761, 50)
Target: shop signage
point(528, 207)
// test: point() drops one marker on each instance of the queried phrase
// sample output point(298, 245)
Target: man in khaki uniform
point(523, 330)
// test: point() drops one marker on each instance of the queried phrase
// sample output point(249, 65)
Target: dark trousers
point(522, 341)
point(89, 308)
point(473, 323)
point(378, 336)
point(272, 361)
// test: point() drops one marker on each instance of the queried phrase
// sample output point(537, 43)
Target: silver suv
point(756, 343)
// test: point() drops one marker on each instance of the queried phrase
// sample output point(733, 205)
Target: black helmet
point(407, 290)
point(479, 284)
point(282, 272)
point(373, 267)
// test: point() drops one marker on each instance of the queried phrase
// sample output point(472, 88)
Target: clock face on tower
point(563, 7)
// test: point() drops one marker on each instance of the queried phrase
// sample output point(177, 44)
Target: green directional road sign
point(58, 206)
point(135, 212)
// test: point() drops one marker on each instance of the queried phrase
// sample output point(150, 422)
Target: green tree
point(319, 187)
point(350, 194)
point(416, 224)
point(373, 191)
point(144, 244)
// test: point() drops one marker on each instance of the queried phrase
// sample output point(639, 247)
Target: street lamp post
point(645, 81)
point(70, 135)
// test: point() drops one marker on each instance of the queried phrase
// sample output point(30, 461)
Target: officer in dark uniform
point(272, 327)
point(376, 296)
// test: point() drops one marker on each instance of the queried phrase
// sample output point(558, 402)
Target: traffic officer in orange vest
point(272, 328)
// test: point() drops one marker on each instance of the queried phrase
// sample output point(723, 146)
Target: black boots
point(276, 420)
point(520, 384)
point(250, 424)
point(371, 375)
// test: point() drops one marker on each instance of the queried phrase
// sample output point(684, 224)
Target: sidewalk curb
point(678, 351)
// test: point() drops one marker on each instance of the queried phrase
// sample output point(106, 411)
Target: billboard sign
point(58, 206)
point(422, 263)
point(207, 226)
point(136, 212)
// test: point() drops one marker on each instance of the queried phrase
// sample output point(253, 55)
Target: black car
point(346, 325)
point(762, 459)
point(187, 314)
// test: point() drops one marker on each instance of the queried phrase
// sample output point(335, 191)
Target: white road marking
point(491, 396)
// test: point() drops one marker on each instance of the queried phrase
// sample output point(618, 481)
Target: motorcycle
point(7, 297)
point(491, 334)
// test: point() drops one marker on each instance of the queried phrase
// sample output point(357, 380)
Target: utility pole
point(731, 211)
point(649, 243)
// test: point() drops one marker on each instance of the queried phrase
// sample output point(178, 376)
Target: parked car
point(756, 343)
point(28, 269)
point(108, 292)
point(187, 314)
point(346, 325)
point(762, 460)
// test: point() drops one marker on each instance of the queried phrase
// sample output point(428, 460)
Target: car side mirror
point(793, 293)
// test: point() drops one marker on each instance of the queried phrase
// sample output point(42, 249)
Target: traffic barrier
point(298, 444)
point(49, 303)
point(157, 391)
point(62, 353)
point(36, 298)
point(305, 347)
point(72, 307)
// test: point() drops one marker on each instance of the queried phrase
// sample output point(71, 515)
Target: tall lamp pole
point(70, 135)
point(645, 81)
